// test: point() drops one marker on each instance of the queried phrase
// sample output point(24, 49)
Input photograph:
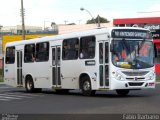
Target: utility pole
point(1, 47)
point(99, 21)
point(1, 30)
point(79, 21)
point(23, 25)
point(65, 22)
point(44, 25)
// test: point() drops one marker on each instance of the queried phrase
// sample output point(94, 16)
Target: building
point(63, 29)
point(14, 33)
point(151, 23)
point(18, 29)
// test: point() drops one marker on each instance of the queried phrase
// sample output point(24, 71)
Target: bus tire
point(86, 87)
point(122, 92)
point(29, 85)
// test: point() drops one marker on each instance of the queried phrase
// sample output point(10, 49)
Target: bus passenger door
point(103, 65)
point(19, 68)
point(56, 66)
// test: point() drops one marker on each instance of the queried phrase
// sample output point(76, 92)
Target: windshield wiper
point(125, 44)
point(127, 47)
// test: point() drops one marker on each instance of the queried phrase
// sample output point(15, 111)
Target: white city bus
point(117, 58)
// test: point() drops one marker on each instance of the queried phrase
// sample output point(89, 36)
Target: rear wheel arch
point(85, 84)
point(81, 78)
point(29, 83)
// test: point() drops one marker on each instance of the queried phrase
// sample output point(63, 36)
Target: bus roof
point(70, 35)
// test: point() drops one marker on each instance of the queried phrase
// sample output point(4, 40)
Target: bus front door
point(19, 68)
point(56, 66)
point(103, 65)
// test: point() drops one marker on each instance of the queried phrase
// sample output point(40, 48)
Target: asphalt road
point(17, 101)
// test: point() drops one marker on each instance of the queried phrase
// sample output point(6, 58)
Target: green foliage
point(1, 80)
point(158, 78)
point(1, 75)
point(101, 19)
point(1, 72)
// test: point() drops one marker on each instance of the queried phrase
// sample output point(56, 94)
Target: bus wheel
point(122, 92)
point(29, 85)
point(86, 87)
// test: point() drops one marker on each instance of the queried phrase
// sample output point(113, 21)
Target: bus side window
point(29, 53)
point(10, 55)
point(70, 49)
point(101, 53)
point(42, 52)
point(87, 47)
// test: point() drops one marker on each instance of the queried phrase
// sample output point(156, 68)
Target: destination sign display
point(131, 33)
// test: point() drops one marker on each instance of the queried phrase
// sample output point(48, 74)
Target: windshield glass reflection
point(132, 54)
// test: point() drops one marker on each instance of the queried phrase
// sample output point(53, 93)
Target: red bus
point(152, 23)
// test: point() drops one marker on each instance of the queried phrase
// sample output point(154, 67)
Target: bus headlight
point(151, 76)
point(119, 76)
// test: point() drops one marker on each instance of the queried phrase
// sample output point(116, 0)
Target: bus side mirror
point(155, 51)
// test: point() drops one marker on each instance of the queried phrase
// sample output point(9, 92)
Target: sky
point(40, 12)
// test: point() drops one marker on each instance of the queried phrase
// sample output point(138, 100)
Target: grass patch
point(158, 78)
point(1, 80)
point(1, 73)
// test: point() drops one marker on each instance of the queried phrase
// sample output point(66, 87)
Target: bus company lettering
point(152, 27)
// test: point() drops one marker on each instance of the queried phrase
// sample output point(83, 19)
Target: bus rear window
point(10, 55)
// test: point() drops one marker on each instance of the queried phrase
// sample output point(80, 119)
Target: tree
point(53, 24)
point(71, 24)
point(101, 20)
point(54, 27)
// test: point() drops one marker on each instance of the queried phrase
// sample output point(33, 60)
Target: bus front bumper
point(117, 84)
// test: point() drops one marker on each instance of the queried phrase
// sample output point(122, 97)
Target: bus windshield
point(132, 54)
